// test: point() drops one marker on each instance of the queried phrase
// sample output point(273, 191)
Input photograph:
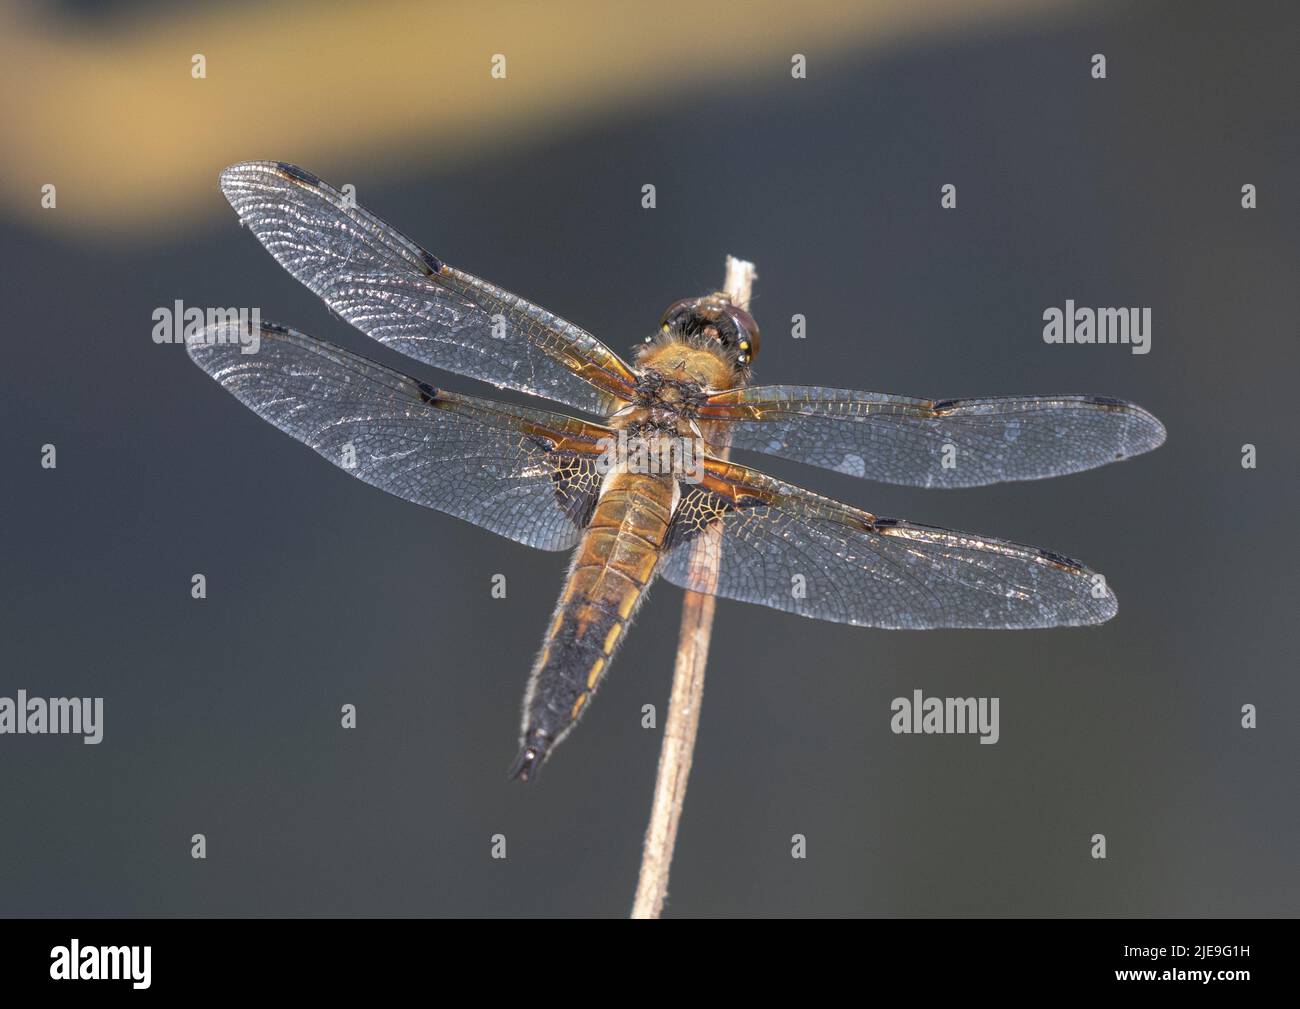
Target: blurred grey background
point(222, 715)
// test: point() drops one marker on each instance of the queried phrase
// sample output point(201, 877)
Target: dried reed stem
point(683, 721)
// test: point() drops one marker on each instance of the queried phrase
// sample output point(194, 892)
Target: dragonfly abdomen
point(614, 564)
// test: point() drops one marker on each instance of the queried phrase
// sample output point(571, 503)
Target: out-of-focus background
point(222, 715)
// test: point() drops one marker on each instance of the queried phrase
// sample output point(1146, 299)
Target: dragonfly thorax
point(678, 390)
point(673, 370)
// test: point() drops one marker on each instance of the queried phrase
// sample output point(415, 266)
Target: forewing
point(787, 548)
point(935, 443)
point(526, 474)
point(394, 291)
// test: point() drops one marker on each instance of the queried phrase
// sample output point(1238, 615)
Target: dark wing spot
point(1061, 561)
point(1108, 401)
point(541, 441)
point(275, 327)
point(428, 394)
point(301, 174)
point(432, 262)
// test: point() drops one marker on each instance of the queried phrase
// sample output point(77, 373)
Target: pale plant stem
point(683, 721)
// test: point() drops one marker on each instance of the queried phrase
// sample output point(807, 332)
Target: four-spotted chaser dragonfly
point(545, 479)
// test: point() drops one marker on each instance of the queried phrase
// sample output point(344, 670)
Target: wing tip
point(1154, 431)
point(232, 336)
point(1150, 433)
point(1106, 611)
point(1158, 431)
point(231, 172)
point(1099, 603)
point(229, 177)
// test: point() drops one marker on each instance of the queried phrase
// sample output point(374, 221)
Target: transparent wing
point(787, 548)
point(526, 474)
point(935, 443)
point(394, 291)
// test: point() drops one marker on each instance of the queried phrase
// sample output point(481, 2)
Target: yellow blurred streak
point(133, 142)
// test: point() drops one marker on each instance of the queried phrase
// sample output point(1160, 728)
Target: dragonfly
point(672, 504)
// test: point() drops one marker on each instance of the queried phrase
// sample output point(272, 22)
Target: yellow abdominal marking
point(612, 638)
point(625, 605)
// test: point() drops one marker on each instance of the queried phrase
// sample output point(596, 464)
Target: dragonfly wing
point(525, 474)
point(935, 443)
point(787, 548)
point(406, 298)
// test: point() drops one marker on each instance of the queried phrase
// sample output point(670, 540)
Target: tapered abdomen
point(613, 566)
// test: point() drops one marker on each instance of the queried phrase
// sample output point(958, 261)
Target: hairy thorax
point(674, 380)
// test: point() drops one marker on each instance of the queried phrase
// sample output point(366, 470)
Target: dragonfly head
point(713, 319)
